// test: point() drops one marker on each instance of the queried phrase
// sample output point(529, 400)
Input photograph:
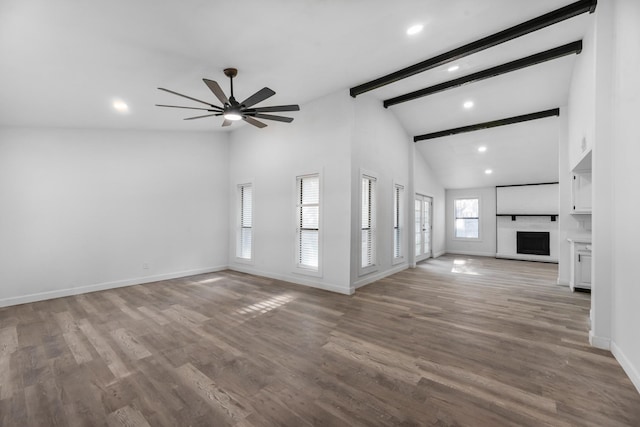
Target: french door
point(423, 209)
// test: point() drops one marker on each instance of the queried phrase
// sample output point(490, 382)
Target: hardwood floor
point(457, 341)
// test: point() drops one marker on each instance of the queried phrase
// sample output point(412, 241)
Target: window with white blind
point(397, 222)
point(467, 218)
point(368, 223)
point(308, 222)
point(245, 222)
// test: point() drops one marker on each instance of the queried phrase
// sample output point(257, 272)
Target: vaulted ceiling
point(64, 62)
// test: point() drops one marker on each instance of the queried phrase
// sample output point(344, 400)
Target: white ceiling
point(63, 62)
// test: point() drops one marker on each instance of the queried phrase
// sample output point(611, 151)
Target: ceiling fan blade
point(227, 123)
point(190, 108)
point(217, 90)
point(272, 117)
point(185, 96)
point(276, 108)
point(199, 117)
point(259, 96)
point(252, 121)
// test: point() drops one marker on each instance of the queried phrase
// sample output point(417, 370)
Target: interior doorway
point(423, 221)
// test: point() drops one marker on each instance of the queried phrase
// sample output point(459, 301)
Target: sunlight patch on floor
point(266, 305)
point(460, 267)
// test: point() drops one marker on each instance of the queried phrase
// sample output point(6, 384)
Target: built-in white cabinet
point(581, 192)
point(581, 269)
point(581, 186)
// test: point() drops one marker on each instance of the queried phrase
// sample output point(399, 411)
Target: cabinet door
point(582, 192)
point(583, 270)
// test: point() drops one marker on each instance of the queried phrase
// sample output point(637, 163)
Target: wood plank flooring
point(462, 341)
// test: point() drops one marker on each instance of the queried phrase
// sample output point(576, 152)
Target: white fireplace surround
point(507, 236)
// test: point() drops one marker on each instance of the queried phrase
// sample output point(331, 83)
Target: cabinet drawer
point(583, 247)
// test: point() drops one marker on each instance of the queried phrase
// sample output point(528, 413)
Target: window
point(245, 222)
point(368, 222)
point(397, 222)
point(308, 218)
point(467, 219)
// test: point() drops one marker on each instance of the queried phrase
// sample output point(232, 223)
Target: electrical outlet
point(145, 265)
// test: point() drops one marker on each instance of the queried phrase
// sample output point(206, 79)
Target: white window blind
point(368, 230)
point(467, 219)
point(308, 227)
point(397, 215)
point(245, 229)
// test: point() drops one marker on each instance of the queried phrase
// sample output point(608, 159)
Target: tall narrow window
point(368, 222)
point(308, 227)
point(467, 219)
point(245, 223)
point(397, 222)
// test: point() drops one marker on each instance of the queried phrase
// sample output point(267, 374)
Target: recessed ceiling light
point(453, 68)
point(414, 29)
point(120, 106)
point(488, 171)
point(468, 104)
point(482, 149)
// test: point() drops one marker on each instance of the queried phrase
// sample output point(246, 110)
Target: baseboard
point(42, 296)
point(290, 278)
point(438, 254)
point(370, 278)
point(626, 364)
point(599, 342)
point(470, 253)
point(562, 282)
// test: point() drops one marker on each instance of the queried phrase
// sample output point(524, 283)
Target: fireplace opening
point(533, 243)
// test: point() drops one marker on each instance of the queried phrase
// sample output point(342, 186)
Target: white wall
point(486, 245)
point(626, 176)
point(85, 209)
point(581, 105)
point(615, 94)
point(602, 183)
point(426, 183)
point(381, 146)
point(317, 141)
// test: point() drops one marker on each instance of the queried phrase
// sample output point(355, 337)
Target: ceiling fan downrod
point(231, 73)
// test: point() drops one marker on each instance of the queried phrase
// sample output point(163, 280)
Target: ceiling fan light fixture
point(233, 116)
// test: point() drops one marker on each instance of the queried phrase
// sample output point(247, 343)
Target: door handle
point(579, 258)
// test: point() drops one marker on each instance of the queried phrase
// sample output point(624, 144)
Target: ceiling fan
point(231, 109)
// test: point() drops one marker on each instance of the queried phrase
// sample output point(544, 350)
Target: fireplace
point(533, 243)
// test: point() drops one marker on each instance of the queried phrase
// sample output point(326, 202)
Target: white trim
point(599, 342)
point(374, 277)
point(471, 253)
point(41, 296)
point(292, 279)
point(439, 254)
point(626, 364)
